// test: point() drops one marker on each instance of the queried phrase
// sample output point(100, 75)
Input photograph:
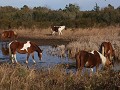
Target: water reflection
point(5, 49)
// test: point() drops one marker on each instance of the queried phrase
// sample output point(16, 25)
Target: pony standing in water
point(24, 48)
point(7, 35)
point(90, 60)
point(58, 29)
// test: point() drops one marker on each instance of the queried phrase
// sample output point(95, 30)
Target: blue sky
point(57, 4)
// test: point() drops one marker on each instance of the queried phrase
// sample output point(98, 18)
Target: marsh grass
point(18, 77)
point(91, 39)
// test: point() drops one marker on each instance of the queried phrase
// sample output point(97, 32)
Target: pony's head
point(108, 63)
point(111, 56)
point(40, 55)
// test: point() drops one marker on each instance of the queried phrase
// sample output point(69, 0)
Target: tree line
point(71, 16)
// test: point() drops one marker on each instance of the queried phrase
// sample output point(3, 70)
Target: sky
point(57, 4)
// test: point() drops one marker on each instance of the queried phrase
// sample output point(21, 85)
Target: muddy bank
point(44, 41)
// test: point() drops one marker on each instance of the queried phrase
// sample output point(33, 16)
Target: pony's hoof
point(26, 62)
point(34, 62)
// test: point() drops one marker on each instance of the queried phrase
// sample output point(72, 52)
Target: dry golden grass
point(17, 77)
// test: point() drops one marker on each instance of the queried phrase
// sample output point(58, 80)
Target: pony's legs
point(33, 58)
point(27, 58)
point(91, 71)
point(53, 33)
point(12, 58)
point(15, 58)
point(60, 32)
point(97, 69)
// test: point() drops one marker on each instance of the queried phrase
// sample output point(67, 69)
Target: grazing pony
point(23, 48)
point(57, 29)
point(90, 60)
point(107, 50)
point(10, 34)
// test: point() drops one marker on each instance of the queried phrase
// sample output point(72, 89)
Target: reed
point(17, 77)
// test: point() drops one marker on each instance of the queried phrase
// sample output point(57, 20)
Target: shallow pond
point(51, 57)
point(48, 58)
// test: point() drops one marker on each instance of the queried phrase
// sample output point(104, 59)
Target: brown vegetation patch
point(14, 77)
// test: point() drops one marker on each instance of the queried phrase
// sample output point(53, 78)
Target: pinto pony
point(24, 48)
point(107, 50)
point(57, 29)
point(10, 34)
point(90, 60)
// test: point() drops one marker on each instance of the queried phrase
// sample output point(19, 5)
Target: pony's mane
point(37, 48)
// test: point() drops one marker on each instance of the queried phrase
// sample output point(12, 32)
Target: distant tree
point(118, 8)
point(25, 7)
point(96, 8)
point(109, 7)
point(72, 8)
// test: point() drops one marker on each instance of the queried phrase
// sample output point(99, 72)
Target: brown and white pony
point(58, 29)
point(90, 60)
point(24, 48)
point(107, 50)
point(9, 34)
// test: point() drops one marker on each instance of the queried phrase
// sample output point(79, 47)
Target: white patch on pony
point(60, 29)
point(92, 52)
point(103, 58)
point(26, 45)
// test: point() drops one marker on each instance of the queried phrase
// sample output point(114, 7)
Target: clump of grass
point(14, 77)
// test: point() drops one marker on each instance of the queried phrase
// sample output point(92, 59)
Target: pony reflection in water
point(4, 49)
point(24, 48)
